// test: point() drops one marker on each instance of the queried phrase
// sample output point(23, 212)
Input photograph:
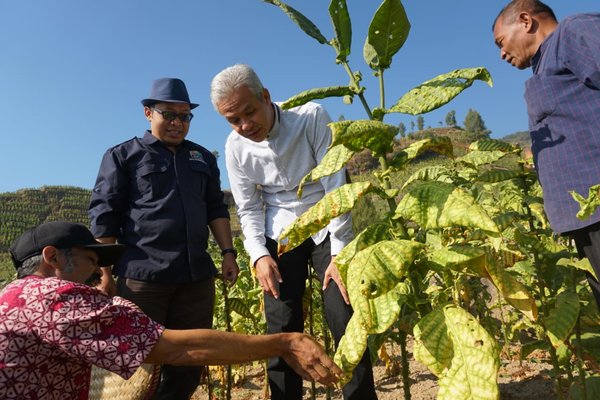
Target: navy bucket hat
point(168, 90)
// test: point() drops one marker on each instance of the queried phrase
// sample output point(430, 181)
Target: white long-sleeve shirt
point(264, 178)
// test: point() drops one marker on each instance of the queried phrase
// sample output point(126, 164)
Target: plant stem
point(381, 90)
point(228, 325)
point(542, 289)
point(405, 365)
point(357, 85)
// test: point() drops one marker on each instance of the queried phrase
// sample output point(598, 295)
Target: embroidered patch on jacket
point(195, 155)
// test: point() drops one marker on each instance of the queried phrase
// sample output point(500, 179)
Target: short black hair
point(511, 11)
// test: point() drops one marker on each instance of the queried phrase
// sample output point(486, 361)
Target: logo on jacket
point(195, 155)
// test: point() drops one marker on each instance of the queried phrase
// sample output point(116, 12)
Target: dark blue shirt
point(563, 101)
point(159, 204)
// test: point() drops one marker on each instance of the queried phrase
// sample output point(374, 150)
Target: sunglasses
point(170, 115)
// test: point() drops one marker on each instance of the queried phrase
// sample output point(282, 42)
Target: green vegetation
point(30, 207)
point(445, 237)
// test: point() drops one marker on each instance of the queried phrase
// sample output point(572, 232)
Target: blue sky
point(73, 72)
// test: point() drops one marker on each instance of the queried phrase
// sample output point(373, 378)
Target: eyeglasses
point(170, 115)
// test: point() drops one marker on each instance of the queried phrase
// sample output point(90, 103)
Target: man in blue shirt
point(563, 104)
point(159, 194)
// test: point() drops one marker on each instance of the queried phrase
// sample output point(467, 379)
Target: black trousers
point(176, 306)
point(285, 315)
point(587, 242)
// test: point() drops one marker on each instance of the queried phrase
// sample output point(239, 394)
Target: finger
point(343, 291)
point(331, 366)
point(274, 287)
point(267, 286)
point(299, 369)
point(277, 275)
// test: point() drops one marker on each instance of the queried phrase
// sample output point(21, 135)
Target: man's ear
point(50, 256)
point(148, 113)
point(527, 22)
point(267, 95)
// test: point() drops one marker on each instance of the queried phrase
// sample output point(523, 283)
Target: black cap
point(63, 235)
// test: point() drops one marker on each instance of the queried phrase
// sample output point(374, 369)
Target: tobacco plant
point(424, 267)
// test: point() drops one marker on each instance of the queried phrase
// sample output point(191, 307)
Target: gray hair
point(232, 78)
point(29, 266)
point(512, 10)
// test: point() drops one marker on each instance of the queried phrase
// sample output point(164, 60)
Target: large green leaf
point(583, 265)
point(587, 206)
point(388, 31)
point(239, 306)
point(369, 236)
point(364, 134)
point(536, 206)
point(342, 27)
point(316, 93)
point(332, 205)
point(563, 317)
point(492, 145)
point(378, 268)
point(461, 258)
point(495, 175)
point(431, 173)
point(592, 389)
point(335, 159)
point(433, 347)
point(513, 291)
point(474, 369)
point(478, 158)
point(439, 144)
point(376, 295)
point(299, 19)
point(351, 348)
point(452, 344)
point(439, 91)
point(440, 205)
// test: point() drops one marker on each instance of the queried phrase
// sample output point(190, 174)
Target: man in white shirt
point(267, 154)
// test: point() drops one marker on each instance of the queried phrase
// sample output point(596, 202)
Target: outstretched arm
point(211, 347)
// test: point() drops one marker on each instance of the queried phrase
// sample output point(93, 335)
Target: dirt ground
point(518, 380)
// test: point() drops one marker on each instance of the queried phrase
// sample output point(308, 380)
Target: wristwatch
point(229, 250)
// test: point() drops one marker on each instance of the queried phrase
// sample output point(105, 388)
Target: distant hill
point(30, 207)
point(363, 162)
point(522, 138)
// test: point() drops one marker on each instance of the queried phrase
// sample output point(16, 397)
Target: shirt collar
point(535, 60)
point(274, 132)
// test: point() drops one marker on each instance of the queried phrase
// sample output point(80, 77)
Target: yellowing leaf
point(513, 291)
point(364, 134)
point(335, 159)
point(439, 91)
point(474, 367)
point(433, 347)
point(460, 258)
point(441, 205)
point(372, 234)
point(332, 205)
point(441, 145)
